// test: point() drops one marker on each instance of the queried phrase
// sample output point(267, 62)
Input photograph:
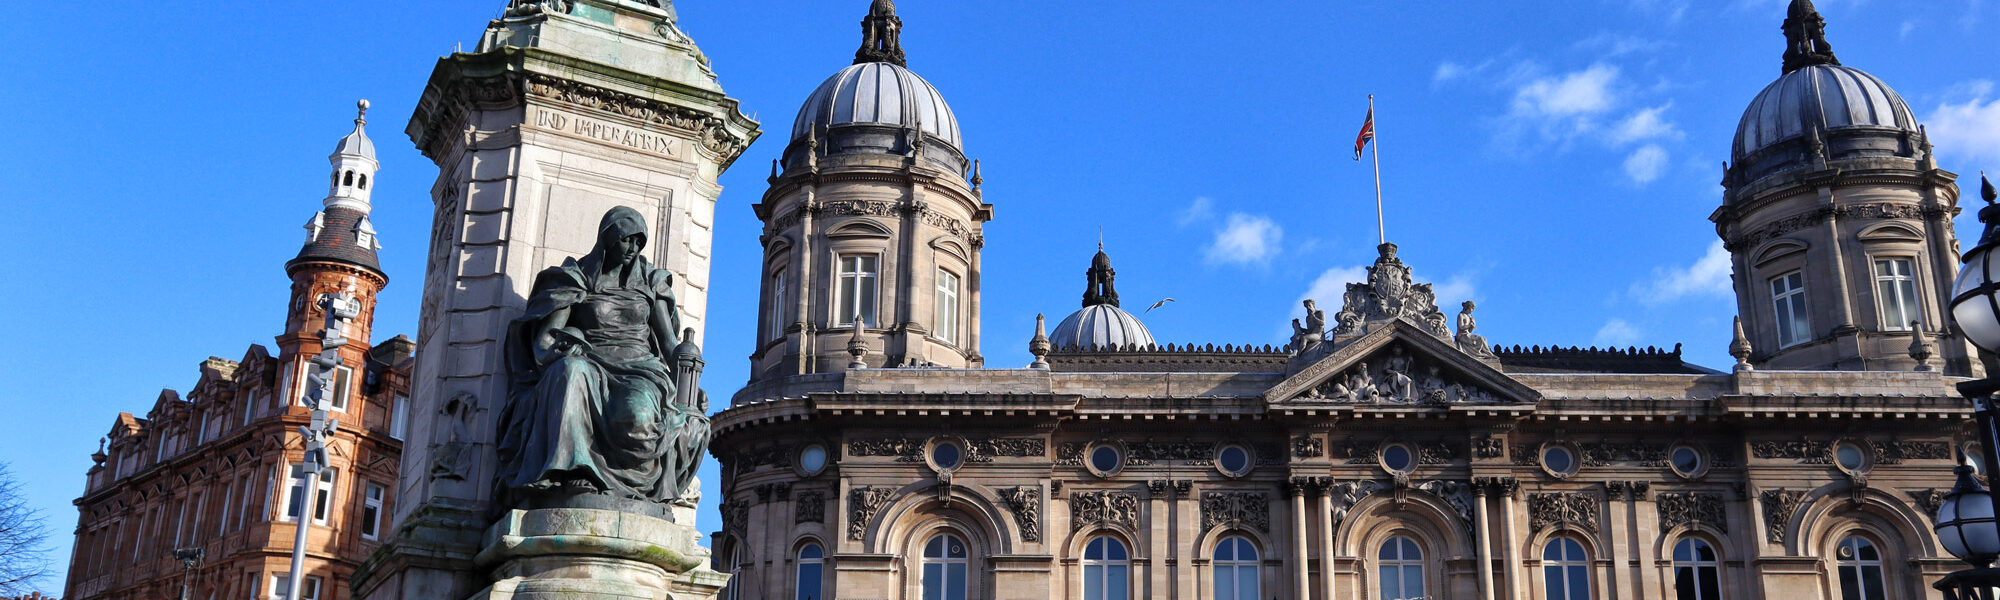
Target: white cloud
point(1331, 286)
point(1908, 26)
point(1967, 131)
point(1645, 125)
point(1201, 210)
point(1577, 94)
point(1448, 71)
point(1246, 239)
point(1646, 164)
point(1617, 332)
point(1708, 276)
point(1609, 44)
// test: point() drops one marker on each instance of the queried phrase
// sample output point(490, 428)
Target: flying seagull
point(1158, 304)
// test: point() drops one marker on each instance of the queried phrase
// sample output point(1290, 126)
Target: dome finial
point(1100, 289)
point(1986, 189)
point(362, 117)
point(881, 36)
point(1805, 38)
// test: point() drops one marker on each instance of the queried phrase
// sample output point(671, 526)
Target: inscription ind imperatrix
point(586, 127)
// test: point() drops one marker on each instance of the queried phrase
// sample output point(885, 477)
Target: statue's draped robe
point(608, 415)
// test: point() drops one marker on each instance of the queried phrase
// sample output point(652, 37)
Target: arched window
point(348, 179)
point(1236, 570)
point(1566, 570)
point(1697, 573)
point(811, 559)
point(944, 568)
point(734, 563)
point(364, 181)
point(1104, 570)
point(1402, 568)
point(1860, 566)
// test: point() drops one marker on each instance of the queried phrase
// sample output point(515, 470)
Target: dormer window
point(315, 226)
point(364, 235)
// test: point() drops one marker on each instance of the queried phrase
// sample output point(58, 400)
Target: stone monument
point(566, 111)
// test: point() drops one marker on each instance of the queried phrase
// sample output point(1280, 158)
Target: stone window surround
point(1779, 258)
point(841, 250)
point(1892, 251)
point(1721, 574)
point(799, 563)
point(1421, 563)
point(1885, 559)
point(1795, 295)
point(1133, 581)
point(955, 298)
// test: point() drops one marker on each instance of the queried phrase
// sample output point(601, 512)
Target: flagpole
point(1380, 231)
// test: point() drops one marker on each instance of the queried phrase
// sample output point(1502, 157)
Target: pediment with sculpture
point(1389, 344)
point(1399, 364)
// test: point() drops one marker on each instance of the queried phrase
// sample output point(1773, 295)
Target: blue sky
point(1555, 162)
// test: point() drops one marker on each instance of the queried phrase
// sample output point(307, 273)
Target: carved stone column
point(1507, 489)
point(1300, 575)
point(1482, 532)
point(1327, 526)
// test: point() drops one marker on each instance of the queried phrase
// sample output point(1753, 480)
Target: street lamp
point(1965, 522)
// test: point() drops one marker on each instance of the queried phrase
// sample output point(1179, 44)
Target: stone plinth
point(581, 553)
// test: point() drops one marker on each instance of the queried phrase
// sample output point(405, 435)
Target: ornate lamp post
point(1965, 522)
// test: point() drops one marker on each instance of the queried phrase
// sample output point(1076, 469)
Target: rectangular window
point(371, 511)
point(1896, 291)
point(228, 493)
point(857, 289)
point(186, 529)
point(281, 585)
point(243, 511)
point(947, 306)
point(1788, 299)
point(295, 492)
point(249, 407)
point(775, 321)
point(323, 500)
point(285, 389)
point(399, 417)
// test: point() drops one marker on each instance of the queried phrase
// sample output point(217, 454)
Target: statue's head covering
point(623, 221)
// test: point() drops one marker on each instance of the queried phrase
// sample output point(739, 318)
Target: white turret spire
point(353, 167)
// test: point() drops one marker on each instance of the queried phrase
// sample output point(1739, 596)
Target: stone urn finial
point(1039, 346)
point(1920, 346)
point(856, 347)
point(1740, 348)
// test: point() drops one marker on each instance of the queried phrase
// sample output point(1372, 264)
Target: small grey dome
point(878, 94)
point(1822, 98)
point(1101, 326)
point(357, 143)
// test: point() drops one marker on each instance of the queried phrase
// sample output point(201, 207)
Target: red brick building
point(214, 469)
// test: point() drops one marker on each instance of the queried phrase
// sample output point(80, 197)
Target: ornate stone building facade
point(214, 470)
point(1383, 453)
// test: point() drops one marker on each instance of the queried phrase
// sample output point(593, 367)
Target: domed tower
point(1101, 324)
point(338, 257)
point(870, 216)
point(1837, 219)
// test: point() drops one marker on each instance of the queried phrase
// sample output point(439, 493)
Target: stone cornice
point(506, 76)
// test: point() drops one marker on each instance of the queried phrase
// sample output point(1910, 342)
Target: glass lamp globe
point(1965, 523)
point(1975, 298)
